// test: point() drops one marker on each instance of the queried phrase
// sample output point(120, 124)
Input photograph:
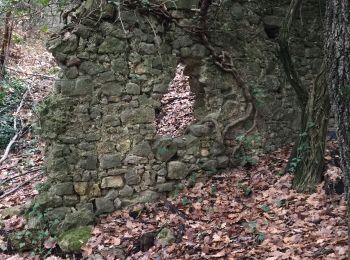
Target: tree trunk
point(5, 44)
point(307, 157)
point(337, 51)
point(311, 144)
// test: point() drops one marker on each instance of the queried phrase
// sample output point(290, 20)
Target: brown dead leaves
point(273, 222)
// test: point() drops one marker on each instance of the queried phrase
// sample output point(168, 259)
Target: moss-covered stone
point(71, 241)
point(166, 237)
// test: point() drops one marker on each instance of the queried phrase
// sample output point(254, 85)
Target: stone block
point(141, 115)
point(89, 162)
point(223, 162)
point(166, 187)
point(112, 45)
point(142, 149)
point(199, 130)
point(133, 89)
point(109, 161)
point(112, 89)
point(132, 177)
point(104, 205)
point(91, 68)
point(177, 170)
point(62, 189)
point(147, 48)
point(112, 182)
point(126, 191)
point(165, 148)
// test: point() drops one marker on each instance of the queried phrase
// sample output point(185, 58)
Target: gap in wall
point(176, 112)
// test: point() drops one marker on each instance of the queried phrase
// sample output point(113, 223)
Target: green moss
point(72, 240)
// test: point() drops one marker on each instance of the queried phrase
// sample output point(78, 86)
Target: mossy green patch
point(73, 240)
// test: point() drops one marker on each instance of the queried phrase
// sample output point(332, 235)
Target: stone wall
point(103, 151)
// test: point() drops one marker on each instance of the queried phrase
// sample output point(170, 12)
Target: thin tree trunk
point(337, 51)
point(5, 43)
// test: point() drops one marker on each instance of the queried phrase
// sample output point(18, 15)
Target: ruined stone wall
point(103, 150)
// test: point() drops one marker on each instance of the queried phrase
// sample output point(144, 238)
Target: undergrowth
point(11, 92)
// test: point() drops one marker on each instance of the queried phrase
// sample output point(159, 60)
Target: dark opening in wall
point(176, 112)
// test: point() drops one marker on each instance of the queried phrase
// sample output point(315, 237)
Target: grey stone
point(177, 170)
point(142, 149)
point(117, 203)
point(147, 48)
point(134, 160)
point(112, 182)
point(199, 130)
point(83, 86)
point(62, 189)
point(165, 237)
point(120, 66)
point(126, 191)
point(223, 162)
point(112, 195)
point(112, 45)
point(71, 72)
point(210, 165)
point(89, 162)
point(91, 68)
point(165, 148)
point(107, 76)
point(133, 89)
point(47, 199)
point(111, 89)
point(78, 218)
point(109, 161)
point(165, 187)
point(147, 196)
point(85, 206)
point(70, 200)
point(104, 205)
point(132, 177)
point(138, 116)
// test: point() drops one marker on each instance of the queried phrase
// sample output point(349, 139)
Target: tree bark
point(311, 143)
point(307, 158)
point(337, 51)
point(5, 43)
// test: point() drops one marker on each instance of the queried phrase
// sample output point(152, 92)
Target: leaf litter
point(273, 222)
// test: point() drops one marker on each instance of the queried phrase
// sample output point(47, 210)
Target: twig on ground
point(18, 187)
point(3, 181)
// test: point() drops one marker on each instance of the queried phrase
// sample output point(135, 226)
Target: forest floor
point(244, 213)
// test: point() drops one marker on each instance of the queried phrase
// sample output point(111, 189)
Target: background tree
point(307, 158)
point(337, 51)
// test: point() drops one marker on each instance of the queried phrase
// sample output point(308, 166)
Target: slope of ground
point(30, 64)
point(239, 214)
